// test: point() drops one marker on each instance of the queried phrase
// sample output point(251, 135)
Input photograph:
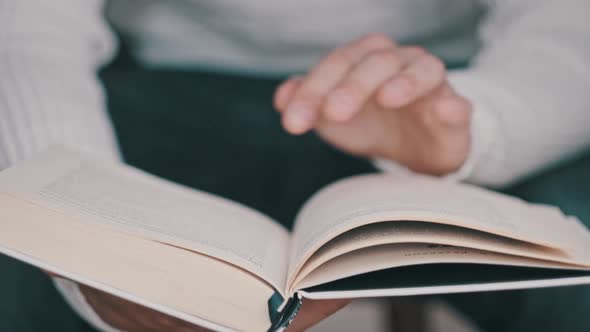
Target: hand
point(128, 316)
point(313, 312)
point(374, 98)
point(132, 317)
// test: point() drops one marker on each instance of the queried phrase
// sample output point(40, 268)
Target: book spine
point(280, 320)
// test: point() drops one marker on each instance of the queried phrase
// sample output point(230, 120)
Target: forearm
point(45, 104)
point(49, 92)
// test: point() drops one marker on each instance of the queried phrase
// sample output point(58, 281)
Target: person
point(488, 92)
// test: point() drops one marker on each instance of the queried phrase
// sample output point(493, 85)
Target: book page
point(151, 207)
point(363, 200)
point(436, 234)
point(191, 286)
point(397, 255)
point(448, 278)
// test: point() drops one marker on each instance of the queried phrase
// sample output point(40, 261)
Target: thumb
point(453, 112)
point(314, 311)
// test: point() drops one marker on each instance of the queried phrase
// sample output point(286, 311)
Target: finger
point(361, 83)
point(314, 311)
point(449, 131)
point(168, 323)
point(120, 319)
point(285, 92)
point(131, 316)
point(453, 112)
point(302, 110)
point(421, 77)
point(116, 311)
point(357, 87)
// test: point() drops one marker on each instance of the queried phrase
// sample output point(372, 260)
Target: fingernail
point(398, 92)
point(341, 106)
point(298, 118)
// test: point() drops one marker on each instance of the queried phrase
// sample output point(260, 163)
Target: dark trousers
point(219, 133)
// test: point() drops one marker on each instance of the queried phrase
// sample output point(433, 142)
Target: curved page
point(396, 255)
point(420, 232)
point(363, 200)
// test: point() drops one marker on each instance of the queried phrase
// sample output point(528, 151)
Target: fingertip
point(395, 93)
point(279, 97)
point(298, 119)
point(284, 92)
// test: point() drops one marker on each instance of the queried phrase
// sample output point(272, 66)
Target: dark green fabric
point(552, 309)
point(29, 302)
point(220, 134)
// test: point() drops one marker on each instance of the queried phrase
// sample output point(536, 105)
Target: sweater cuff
point(486, 154)
point(74, 297)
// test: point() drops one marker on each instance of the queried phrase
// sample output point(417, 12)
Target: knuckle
point(410, 81)
point(386, 62)
point(416, 51)
point(442, 104)
point(383, 59)
point(355, 88)
point(433, 65)
point(309, 98)
point(338, 58)
point(378, 40)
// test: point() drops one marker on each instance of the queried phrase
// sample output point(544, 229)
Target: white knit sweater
point(529, 80)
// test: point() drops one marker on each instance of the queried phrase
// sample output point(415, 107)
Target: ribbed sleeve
point(50, 52)
point(49, 92)
point(529, 86)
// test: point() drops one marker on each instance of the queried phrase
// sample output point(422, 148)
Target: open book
point(226, 267)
